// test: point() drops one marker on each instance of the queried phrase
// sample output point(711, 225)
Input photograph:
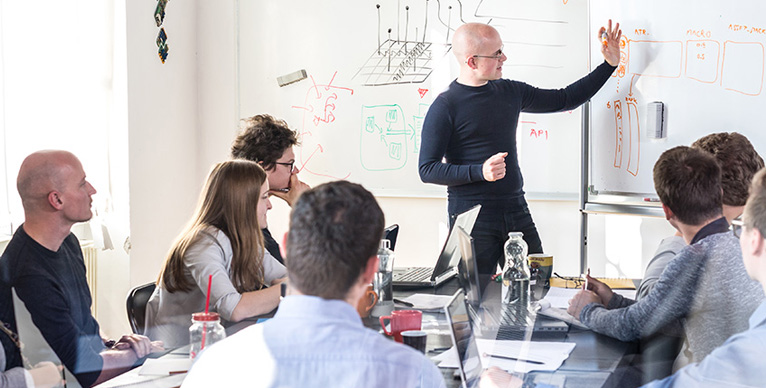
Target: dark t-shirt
point(53, 287)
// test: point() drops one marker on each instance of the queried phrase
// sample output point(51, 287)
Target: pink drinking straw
point(207, 301)
point(207, 306)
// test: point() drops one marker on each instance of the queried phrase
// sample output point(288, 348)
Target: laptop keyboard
point(512, 316)
point(514, 324)
point(506, 333)
point(414, 274)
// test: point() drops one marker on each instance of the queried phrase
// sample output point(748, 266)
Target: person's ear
point(283, 247)
point(54, 199)
point(668, 213)
point(260, 163)
point(754, 242)
point(370, 269)
point(471, 62)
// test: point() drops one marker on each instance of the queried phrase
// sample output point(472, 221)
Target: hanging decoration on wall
point(162, 44)
point(162, 37)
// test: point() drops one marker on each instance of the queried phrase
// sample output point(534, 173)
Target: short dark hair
point(738, 161)
point(263, 139)
point(688, 181)
point(755, 209)
point(334, 230)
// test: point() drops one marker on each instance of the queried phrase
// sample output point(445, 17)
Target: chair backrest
point(138, 297)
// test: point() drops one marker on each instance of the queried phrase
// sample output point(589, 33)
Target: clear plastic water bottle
point(382, 284)
point(516, 272)
point(206, 329)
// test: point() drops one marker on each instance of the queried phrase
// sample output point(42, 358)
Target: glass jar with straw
point(206, 327)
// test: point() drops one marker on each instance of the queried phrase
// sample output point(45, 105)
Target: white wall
point(163, 132)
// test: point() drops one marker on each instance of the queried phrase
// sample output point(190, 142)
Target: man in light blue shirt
point(739, 362)
point(317, 339)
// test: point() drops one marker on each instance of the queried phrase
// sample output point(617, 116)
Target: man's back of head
point(335, 229)
point(688, 182)
point(738, 160)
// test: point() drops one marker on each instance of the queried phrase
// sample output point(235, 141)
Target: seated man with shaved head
point(470, 130)
point(44, 263)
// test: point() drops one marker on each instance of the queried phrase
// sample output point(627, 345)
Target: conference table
point(596, 361)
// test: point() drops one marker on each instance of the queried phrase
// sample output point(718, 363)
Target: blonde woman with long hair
point(223, 239)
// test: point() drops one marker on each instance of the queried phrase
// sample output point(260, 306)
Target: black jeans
point(491, 230)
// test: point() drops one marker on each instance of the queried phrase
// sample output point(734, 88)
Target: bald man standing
point(44, 263)
point(469, 136)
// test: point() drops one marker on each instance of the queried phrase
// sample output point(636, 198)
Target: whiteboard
point(374, 71)
point(703, 60)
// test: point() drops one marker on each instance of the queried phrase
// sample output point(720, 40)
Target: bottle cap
point(205, 317)
point(515, 234)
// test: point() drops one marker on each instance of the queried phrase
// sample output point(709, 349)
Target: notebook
point(507, 321)
point(447, 261)
point(576, 282)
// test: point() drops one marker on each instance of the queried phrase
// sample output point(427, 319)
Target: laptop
point(446, 264)
point(508, 322)
point(390, 234)
point(463, 338)
point(468, 273)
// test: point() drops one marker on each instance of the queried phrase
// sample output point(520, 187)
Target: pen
point(408, 304)
point(603, 38)
point(513, 359)
point(440, 349)
point(585, 285)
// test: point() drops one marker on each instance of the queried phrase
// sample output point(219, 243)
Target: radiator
point(90, 256)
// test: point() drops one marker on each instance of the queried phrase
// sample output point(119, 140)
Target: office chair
point(138, 297)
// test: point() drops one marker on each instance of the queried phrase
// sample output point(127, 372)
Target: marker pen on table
point(513, 359)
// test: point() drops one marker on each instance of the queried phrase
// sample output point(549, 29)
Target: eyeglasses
point(497, 56)
point(736, 227)
point(570, 282)
point(291, 165)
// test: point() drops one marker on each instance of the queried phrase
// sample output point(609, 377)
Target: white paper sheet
point(165, 366)
point(551, 354)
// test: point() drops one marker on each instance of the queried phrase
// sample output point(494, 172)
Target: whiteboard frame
point(603, 203)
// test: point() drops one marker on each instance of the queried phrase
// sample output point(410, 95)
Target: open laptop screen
point(464, 340)
point(450, 254)
point(390, 234)
point(468, 272)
